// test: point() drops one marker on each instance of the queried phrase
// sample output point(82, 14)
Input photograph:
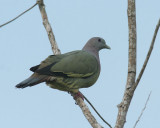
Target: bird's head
point(96, 43)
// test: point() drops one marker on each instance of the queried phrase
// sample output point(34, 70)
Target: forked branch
point(131, 84)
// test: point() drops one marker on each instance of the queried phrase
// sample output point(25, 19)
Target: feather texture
point(70, 71)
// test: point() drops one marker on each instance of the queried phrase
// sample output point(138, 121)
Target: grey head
point(95, 44)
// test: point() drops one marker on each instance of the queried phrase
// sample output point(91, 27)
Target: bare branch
point(148, 55)
point(56, 50)
point(48, 28)
point(97, 111)
point(124, 105)
point(142, 110)
point(131, 84)
point(87, 113)
point(18, 16)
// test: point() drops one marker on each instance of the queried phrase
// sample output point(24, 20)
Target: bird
point(70, 71)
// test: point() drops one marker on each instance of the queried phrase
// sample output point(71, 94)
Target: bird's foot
point(77, 95)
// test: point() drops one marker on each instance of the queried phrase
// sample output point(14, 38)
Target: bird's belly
point(72, 84)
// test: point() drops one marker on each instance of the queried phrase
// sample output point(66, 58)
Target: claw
point(77, 95)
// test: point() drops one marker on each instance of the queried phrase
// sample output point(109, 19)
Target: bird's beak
point(107, 47)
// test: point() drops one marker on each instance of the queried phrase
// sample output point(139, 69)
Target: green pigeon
point(70, 71)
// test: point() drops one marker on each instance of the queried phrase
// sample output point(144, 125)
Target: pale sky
point(24, 43)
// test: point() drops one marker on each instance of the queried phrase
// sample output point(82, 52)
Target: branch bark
point(56, 50)
point(48, 28)
point(128, 94)
point(131, 84)
point(93, 122)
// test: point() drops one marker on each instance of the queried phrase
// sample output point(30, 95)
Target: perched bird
point(69, 71)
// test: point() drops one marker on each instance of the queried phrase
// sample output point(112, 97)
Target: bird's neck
point(95, 53)
point(92, 51)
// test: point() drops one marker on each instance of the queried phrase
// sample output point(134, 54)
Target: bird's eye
point(99, 40)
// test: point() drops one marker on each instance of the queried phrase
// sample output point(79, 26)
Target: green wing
point(73, 64)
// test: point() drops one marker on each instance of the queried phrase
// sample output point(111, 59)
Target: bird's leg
point(77, 95)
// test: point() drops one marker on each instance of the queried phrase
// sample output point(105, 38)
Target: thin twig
point(91, 119)
point(148, 55)
point(96, 111)
point(142, 110)
point(18, 16)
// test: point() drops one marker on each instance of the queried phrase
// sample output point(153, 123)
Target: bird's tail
point(31, 81)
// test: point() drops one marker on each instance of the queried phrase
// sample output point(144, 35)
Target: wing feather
point(73, 64)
